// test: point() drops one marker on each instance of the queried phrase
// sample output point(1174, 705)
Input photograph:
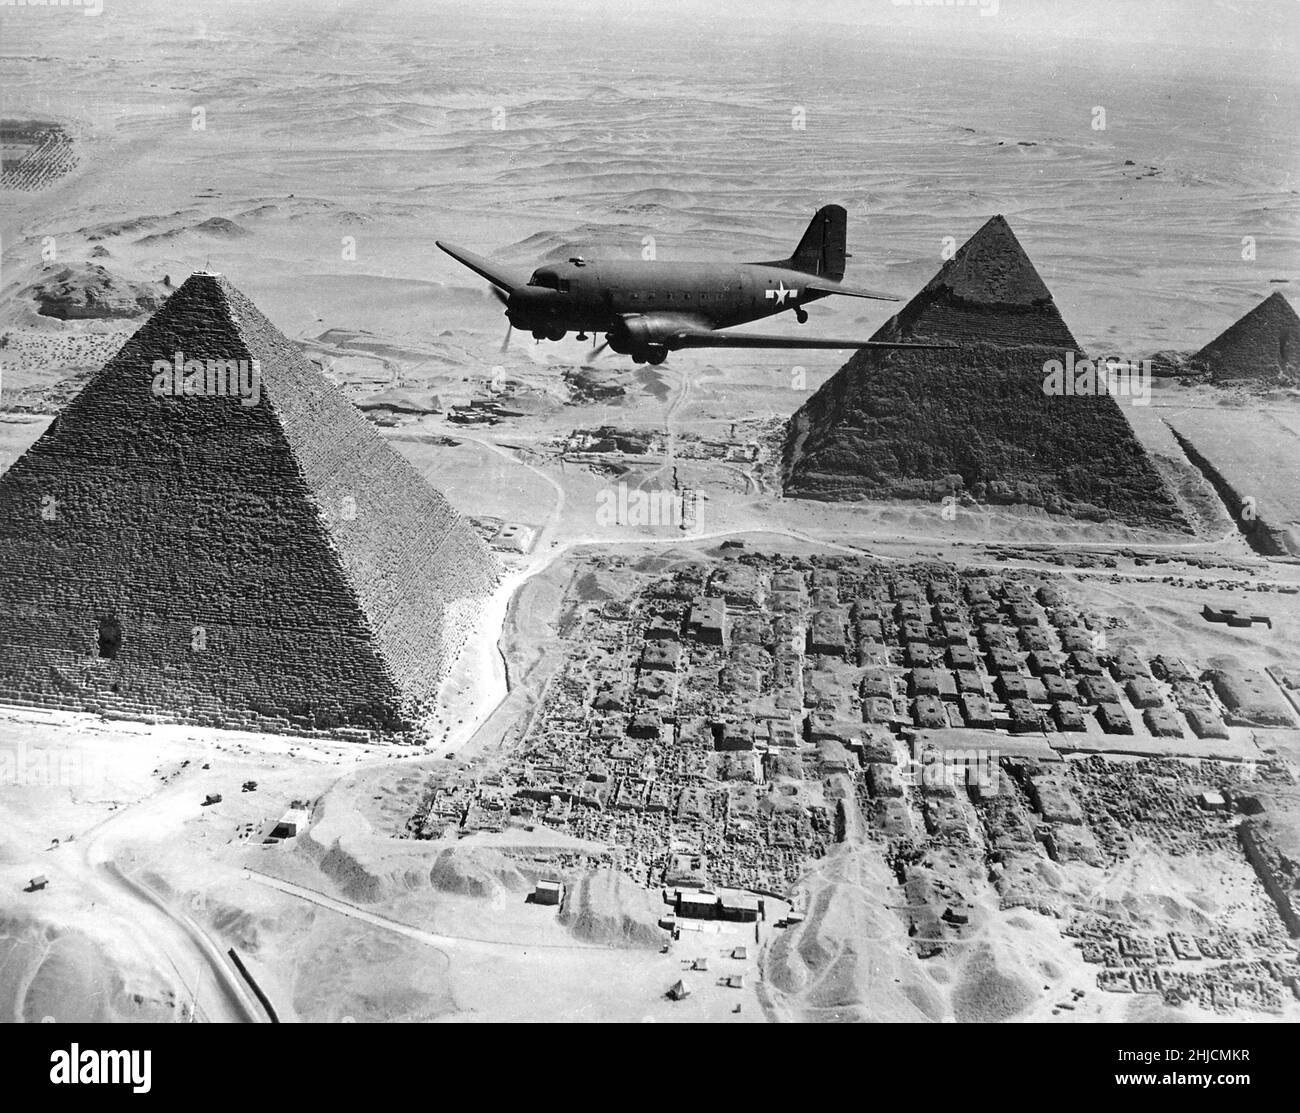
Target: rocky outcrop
point(91, 292)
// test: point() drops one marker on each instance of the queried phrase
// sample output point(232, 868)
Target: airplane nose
point(529, 302)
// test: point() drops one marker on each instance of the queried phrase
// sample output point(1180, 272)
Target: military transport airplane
point(648, 309)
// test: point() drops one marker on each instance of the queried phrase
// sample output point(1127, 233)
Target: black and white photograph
point(591, 512)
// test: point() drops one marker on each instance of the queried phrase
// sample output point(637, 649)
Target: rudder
point(822, 249)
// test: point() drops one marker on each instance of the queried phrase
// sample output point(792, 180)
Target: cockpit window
point(548, 279)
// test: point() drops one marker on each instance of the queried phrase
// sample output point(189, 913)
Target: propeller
point(597, 350)
point(500, 295)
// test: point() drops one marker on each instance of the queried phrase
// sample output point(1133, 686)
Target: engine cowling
point(639, 332)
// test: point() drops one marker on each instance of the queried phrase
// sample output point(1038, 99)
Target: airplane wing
point(500, 275)
point(824, 287)
point(692, 338)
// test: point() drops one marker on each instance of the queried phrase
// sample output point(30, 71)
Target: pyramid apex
point(988, 291)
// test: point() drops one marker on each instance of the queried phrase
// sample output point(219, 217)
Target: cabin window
point(110, 637)
point(686, 297)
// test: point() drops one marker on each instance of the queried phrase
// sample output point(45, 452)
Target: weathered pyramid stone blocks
point(975, 420)
point(1263, 345)
point(232, 544)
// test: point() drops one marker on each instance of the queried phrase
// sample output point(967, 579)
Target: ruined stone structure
point(975, 421)
point(233, 545)
point(1263, 345)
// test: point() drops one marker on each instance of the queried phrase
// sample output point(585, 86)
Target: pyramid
point(975, 420)
point(258, 558)
point(988, 292)
point(1264, 344)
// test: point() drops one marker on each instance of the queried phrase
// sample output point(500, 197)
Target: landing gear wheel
point(555, 334)
point(656, 356)
point(801, 316)
point(539, 334)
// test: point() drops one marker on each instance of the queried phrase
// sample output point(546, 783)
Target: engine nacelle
point(642, 331)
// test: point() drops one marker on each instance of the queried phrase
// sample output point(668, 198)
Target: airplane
point(647, 309)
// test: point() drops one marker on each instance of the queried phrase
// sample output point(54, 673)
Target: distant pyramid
point(1264, 344)
point(244, 550)
point(989, 293)
point(974, 421)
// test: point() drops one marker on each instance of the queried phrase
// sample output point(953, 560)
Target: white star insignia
point(782, 292)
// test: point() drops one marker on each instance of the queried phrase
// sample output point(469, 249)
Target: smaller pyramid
point(988, 293)
point(1264, 345)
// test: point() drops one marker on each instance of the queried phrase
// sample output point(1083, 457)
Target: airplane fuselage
point(648, 309)
point(598, 295)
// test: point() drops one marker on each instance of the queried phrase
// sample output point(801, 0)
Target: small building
point(1035, 639)
point(743, 907)
point(678, 991)
point(1172, 669)
point(1162, 722)
point(1003, 660)
point(661, 656)
point(1128, 665)
point(1084, 662)
point(1144, 692)
point(734, 736)
point(1212, 801)
point(933, 682)
point(291, 823)
point(1205, 723)
point(1060, 688)
point(884, 780)
point(548, 892)
point(1043, 663)
point(1025, 717)
point(645, 725)
point(929, 713)
point(211, 798)
point(918, 655)
point(961, 657)
point(1098, 689)
point(37, 883)
point(1113, 719)
point(876, 682)
point(1068, 716)
point(977, 712)
point(707, 622)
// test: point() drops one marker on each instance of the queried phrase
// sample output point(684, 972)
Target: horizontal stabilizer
point(848, 291)
point(501, 276)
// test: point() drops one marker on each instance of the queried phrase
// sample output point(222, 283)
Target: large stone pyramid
point(237, 551)
point(975, 420)
point(987, 293)
point(1264, 345)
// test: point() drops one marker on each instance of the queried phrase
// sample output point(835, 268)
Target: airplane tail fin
point(821, 252)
